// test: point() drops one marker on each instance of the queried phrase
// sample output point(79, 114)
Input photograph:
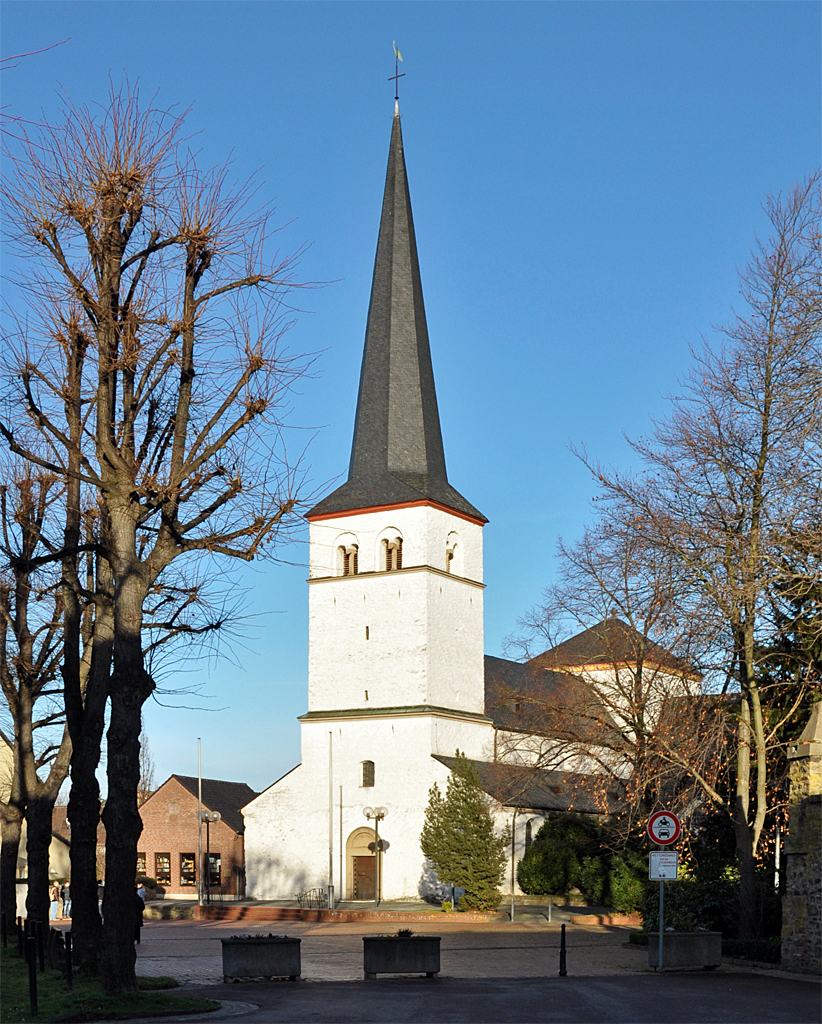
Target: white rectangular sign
point(663, 864)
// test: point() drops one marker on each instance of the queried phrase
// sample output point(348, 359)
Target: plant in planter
point(403, 953)
point(261, 956)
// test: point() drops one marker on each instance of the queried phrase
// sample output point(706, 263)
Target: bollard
point(3, 935)
point(562, 971)
point(550, 908)
point(38, 928)
point(69, 975)
point(31, 951)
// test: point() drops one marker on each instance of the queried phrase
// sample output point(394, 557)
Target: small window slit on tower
point(366, 632)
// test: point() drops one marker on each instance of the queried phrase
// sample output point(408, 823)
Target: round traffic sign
point(664, 827)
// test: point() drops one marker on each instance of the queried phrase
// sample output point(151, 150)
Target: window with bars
point(188, 869)
point(162, 868)
point(350, 561)
point(141, 863)
point(367, 774)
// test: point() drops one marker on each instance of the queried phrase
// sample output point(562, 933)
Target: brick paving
point(191, 952)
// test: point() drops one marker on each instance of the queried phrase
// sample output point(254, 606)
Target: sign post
point(663, 828)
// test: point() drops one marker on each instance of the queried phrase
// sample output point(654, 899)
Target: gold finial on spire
point(395, 78)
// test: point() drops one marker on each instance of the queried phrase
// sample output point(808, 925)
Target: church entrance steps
point(244, 912)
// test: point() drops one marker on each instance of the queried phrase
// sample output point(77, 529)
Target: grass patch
point(86, 1002)
point(152, 983)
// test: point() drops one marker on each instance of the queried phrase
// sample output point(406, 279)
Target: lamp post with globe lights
point(376, 814)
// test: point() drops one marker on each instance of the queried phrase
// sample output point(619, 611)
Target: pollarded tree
point(459, 838)
point(150, 373)
point(32, 720)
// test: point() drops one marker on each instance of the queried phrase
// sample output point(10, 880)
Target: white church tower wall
point(407, 636)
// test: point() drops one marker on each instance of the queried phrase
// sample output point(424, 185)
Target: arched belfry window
point(367, 774)
point(388, 553)
point(453, 554)
point(348, 560)
point(392, 554)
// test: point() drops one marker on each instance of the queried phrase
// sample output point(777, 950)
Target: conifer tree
point(458, 838)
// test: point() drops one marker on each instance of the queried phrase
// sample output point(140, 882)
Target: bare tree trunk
point(84, 816)
point(130, 686)
point(748, 894)
point(38, 840)
point(9, 852)
point(84, 800)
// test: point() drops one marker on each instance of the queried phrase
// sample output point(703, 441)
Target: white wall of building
point(287, 826)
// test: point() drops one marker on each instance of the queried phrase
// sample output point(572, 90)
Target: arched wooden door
point(361, 864)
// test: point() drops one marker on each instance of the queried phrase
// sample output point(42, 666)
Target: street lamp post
point(205, 880)
point(376, 814)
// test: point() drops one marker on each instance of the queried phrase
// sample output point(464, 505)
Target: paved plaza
point(497, 972)
point(191, 952)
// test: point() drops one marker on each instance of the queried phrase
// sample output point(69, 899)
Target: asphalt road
point(692, 998)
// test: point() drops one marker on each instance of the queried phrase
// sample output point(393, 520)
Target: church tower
point(395, 665)
point(395, 593)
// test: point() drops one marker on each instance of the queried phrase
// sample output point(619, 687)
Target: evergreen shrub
point(692, 904)
point(570, 851)
point(459, 840)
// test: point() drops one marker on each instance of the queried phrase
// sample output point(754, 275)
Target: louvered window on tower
point(367, 774)
point(350, 561)
point(449, 558)
point(392, 553)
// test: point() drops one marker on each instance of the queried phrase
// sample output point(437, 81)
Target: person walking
point(65, 894)
point(54, 901)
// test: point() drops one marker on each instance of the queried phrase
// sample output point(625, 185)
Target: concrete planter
point(275, 957)
point(686, 949)
point(401, 954)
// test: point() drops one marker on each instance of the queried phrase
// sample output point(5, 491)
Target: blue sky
point(586, 180)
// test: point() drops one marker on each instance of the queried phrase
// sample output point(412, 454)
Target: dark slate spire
point(397, 454)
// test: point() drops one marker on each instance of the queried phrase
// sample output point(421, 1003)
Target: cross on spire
point(395, 78)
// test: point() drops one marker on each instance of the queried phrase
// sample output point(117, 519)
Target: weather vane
point(395, 78)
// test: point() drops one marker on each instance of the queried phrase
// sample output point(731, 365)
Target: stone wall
point(802, 902)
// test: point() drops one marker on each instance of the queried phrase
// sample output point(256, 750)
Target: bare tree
point(167, 400)
point(609, 704)
point(30, 653)
point(146, 787)
point(731, 490)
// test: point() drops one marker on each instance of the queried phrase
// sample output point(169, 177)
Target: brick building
point(168, 847)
